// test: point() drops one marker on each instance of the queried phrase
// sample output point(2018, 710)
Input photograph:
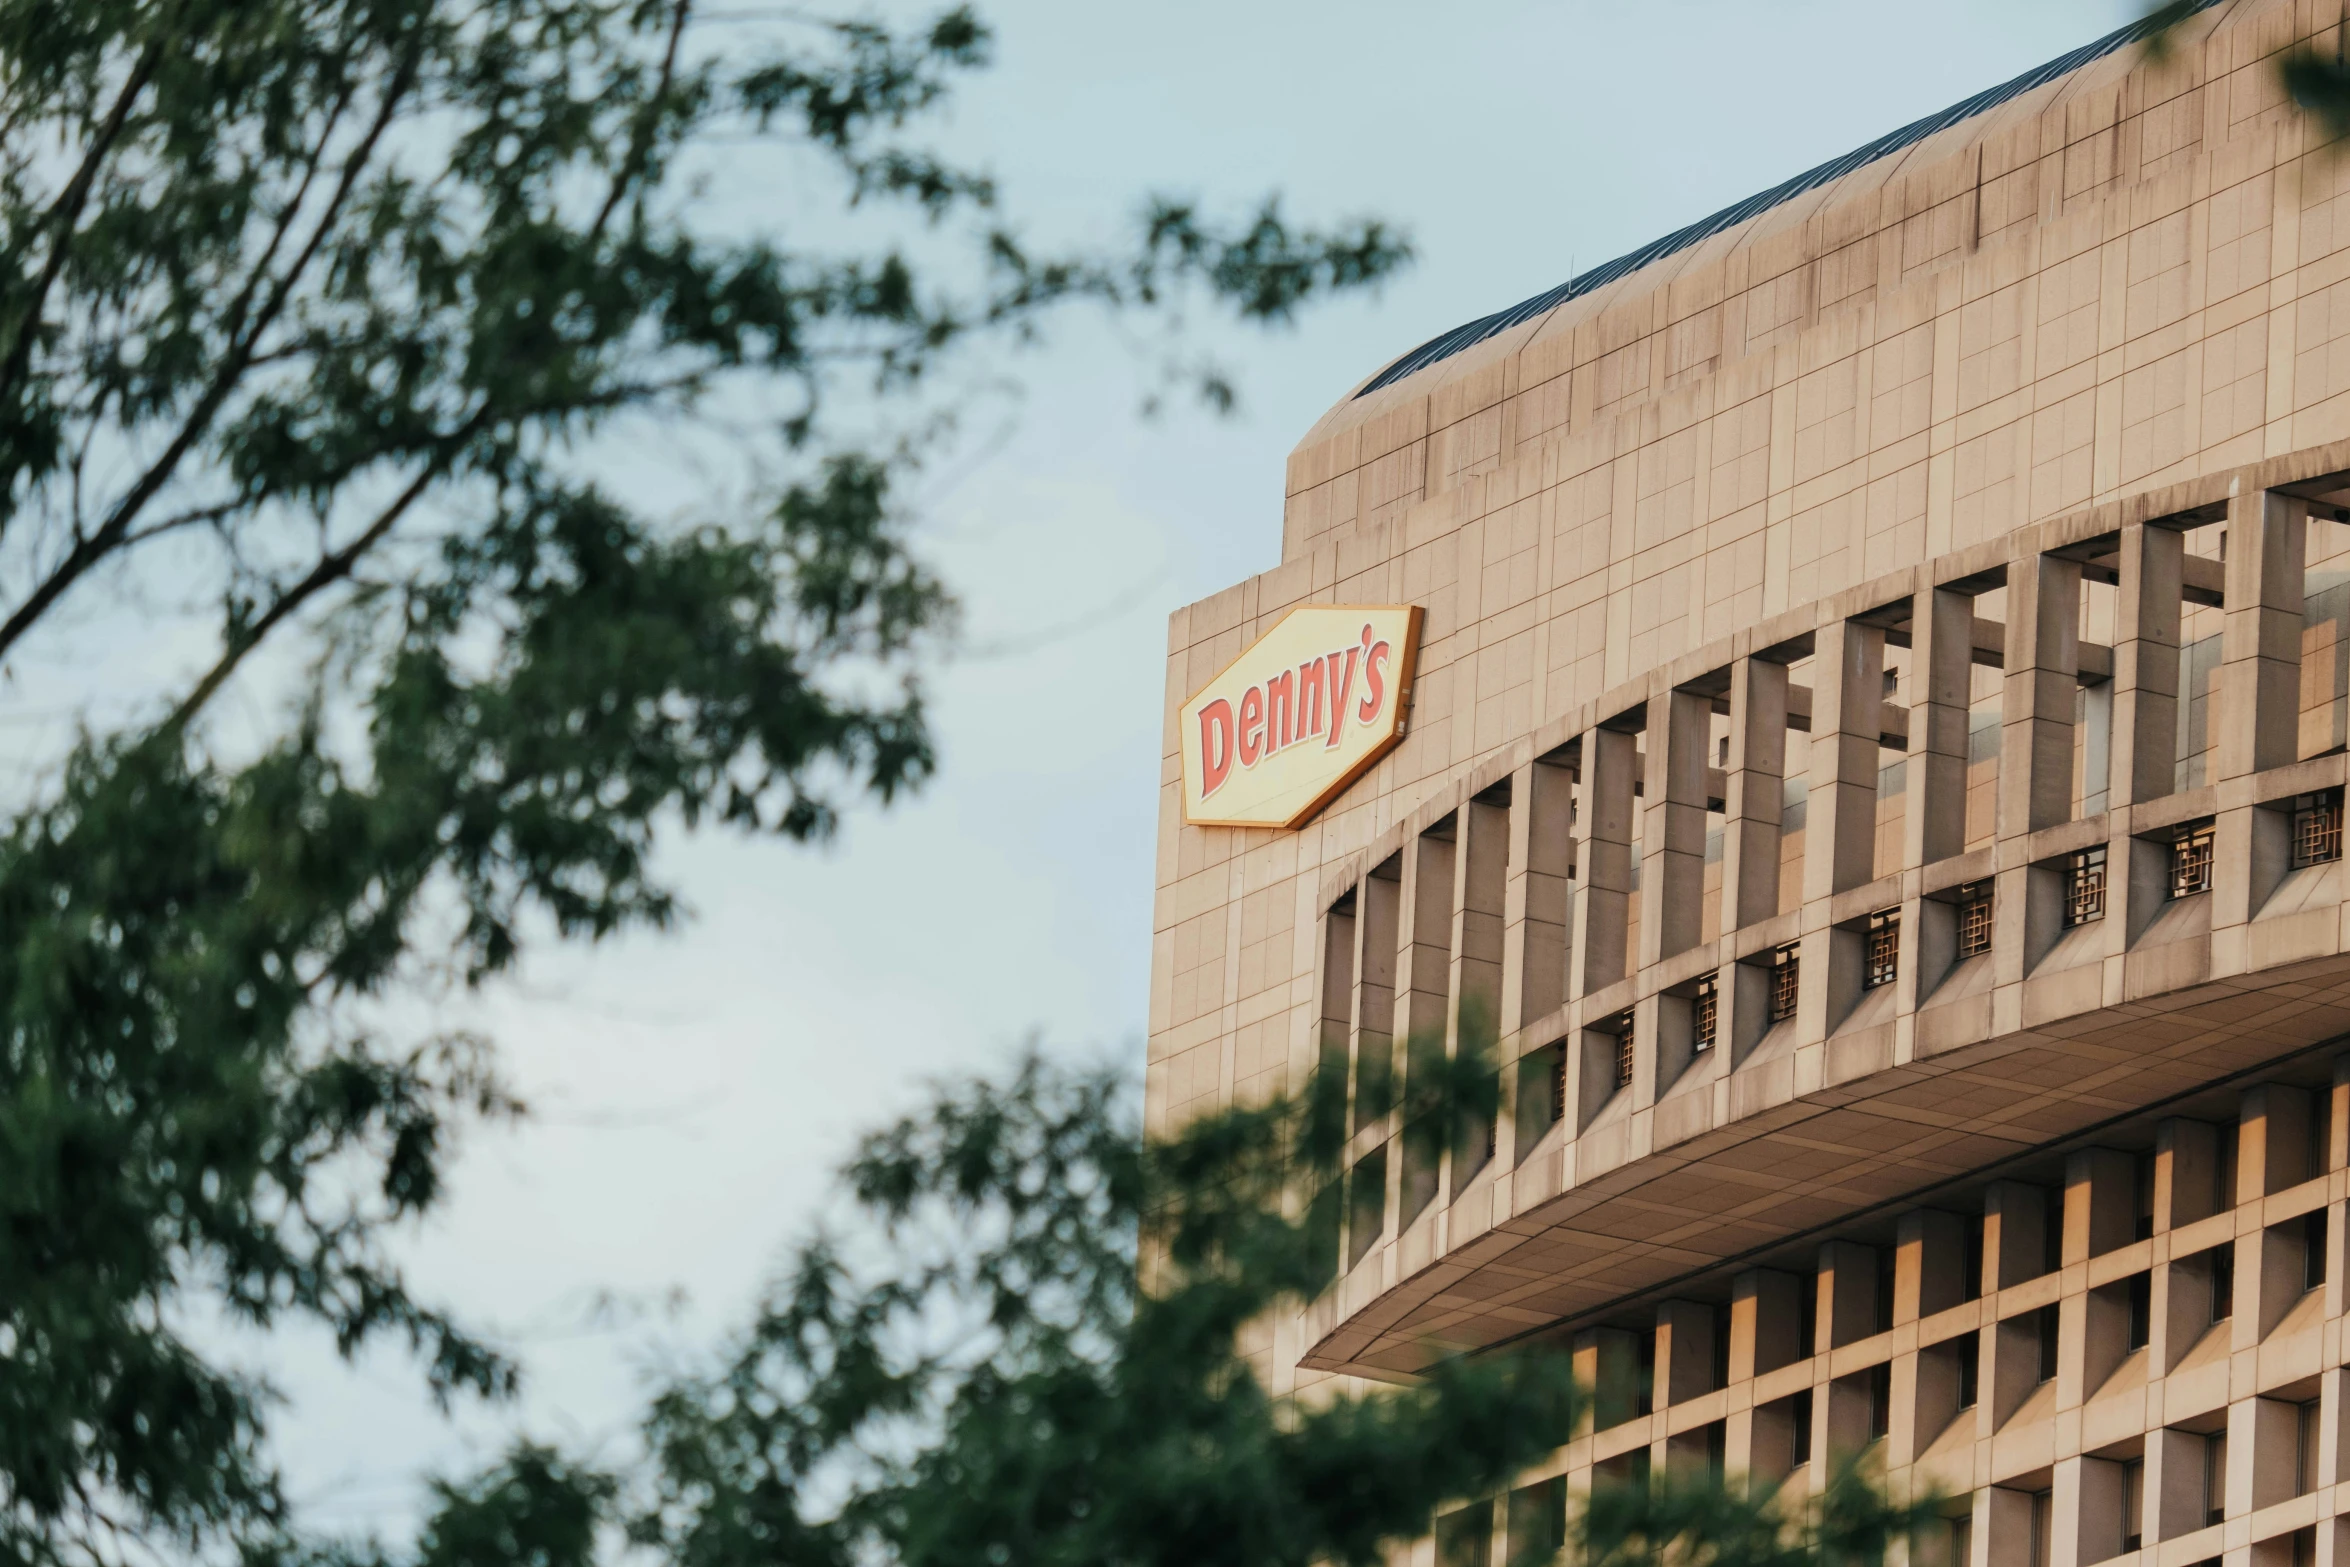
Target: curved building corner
point(1862, 694)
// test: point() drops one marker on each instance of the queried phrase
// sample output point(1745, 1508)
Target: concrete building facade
point(1877, 754)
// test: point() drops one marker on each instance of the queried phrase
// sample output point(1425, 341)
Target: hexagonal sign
point(1299, 716)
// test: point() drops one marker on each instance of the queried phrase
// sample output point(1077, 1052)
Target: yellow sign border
point(1407, 686)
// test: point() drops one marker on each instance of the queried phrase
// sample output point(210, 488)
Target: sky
point(692, 1091)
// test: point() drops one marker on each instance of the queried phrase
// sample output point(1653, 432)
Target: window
point(2305, 1448)
point(2190, 862)
point(2043, 1526)
point(2215, 1478)
point(1799, 1415)
point(1880, 1401)
point(1785, 981)
point(2317, 829)
point(1705, 1013)
point(1537, 1523)
point(1624, 1051)
point(2045, 1327)
point(2084, 887)
point(1884, 949)
point(1974, 919)
point(2223, 1281)
point(1970, 1370)
point(2141, 1287)
point(1464, 1538)
point(1970, 1283)
point(1558, 1086)
point(2133, 1504)
point(2313, 1248)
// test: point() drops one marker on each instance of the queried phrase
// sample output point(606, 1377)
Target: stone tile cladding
point(1956, 538)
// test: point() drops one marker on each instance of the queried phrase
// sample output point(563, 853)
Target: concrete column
point(2260, 647)
point(1338, 990)
point(2043, 662)
point(1535, 897)
point(1684, 1351)
point(1423, 988)
point(1848, 700)
point(1604, 887)
point(2099, 1210)
point(1378, 924)
point(1755, 791)
point(2146, 665)
point(1942, 647)
point(1480, 890)
point(1672, 842)
point(1423, 982)
point(1848, 1290)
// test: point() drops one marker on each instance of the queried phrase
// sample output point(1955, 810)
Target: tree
point(325, 312)
point(992, 1383)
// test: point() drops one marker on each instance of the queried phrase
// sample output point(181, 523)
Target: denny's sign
point(1299, 716)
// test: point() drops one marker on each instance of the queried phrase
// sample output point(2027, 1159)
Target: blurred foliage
point(355, 318)
point(991, 1385)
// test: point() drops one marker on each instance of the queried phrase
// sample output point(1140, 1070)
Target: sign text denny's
point(1299, 716)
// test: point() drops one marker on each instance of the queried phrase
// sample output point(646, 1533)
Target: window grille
point(1705, 1013)
point(2317, 829)
point(2084, 887)
point(1884, 949)
point(1558, 1085)
point(1974, 920)
point(2190, 863)
point(1785, 982)
point(1624, 1051)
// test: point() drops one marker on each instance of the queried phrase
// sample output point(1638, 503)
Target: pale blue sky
point(694, 1090)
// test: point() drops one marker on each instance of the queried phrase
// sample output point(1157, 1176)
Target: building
point(1876, 746)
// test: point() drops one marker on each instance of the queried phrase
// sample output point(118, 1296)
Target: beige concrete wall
point(2100, 294)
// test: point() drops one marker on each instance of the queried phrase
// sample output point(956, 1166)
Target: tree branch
point(124, 513)
point(66, 212)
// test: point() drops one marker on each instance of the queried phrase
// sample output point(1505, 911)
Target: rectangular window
point(2317, 829)
point(1464, 1538)
point(1624, 1051)
point(1558, 1086)
point(2190, 862)
point(1970, 1282)
point(1799, 1415)
point(1880, 1401)
point(1970, 1370)
point(2313, 1248)
point(1537, 1523)
point(2223, 1280)
point(2133, 1504)
point(2045, 1325)
point(2084, 887)
point(2043, 1526)
point(1705, 1013)
point(2215, 1478)
point(1884, 949)
point(2305, 1448)
point(1974, 919)
point(1786, 981)
point(2141, 1310)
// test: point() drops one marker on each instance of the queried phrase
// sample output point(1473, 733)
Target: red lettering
point(1342, 685)
point(1252, 726)
point(1312, 693)
point(1376, 693)
point(1215, 745)
point(1280, 710)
